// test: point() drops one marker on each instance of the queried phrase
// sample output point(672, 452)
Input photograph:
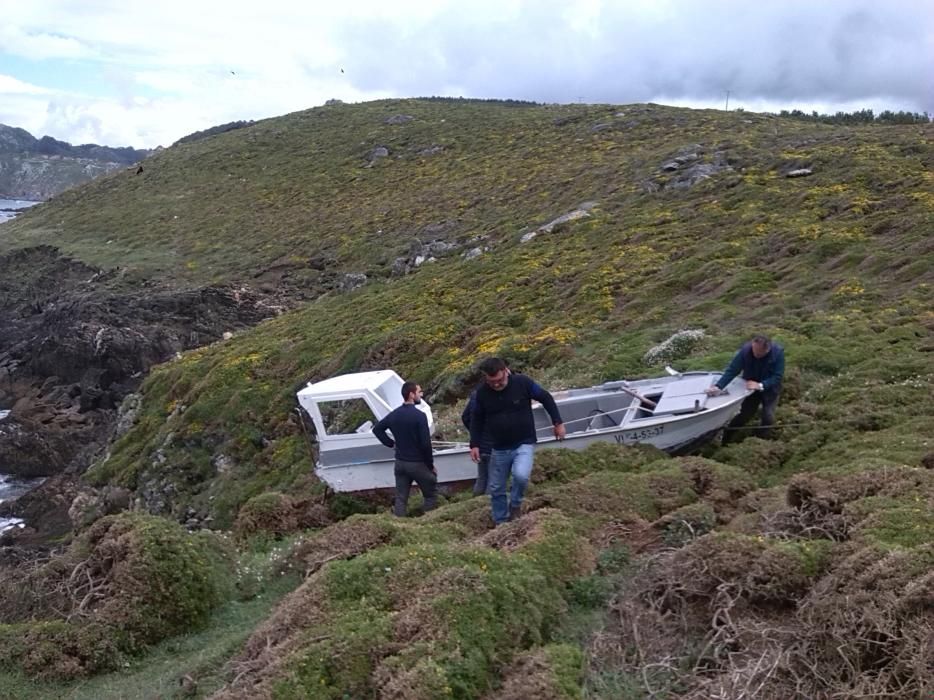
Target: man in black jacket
point(412, 441)
point(503, 406)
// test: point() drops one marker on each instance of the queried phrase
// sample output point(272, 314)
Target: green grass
point(747, 250)
point(838, 266)
point(159, 673)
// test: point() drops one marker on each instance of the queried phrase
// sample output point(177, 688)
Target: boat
point(673, 412)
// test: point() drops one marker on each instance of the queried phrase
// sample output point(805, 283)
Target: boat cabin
point(344, 410)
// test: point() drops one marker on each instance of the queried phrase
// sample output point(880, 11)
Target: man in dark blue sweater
point(762, 364)
point(503, 406)
point(412, 440)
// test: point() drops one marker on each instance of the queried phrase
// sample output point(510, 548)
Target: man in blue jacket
point(412, 441)
point(503, 406)
point(762, 364)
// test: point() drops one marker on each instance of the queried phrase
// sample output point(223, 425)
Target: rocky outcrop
point(77, 341)
point(375, 154)
point(582, 212)
point(691, 165)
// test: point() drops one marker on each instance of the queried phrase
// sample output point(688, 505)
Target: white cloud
point(40, 45)
point(11, 85)
point(161, 70)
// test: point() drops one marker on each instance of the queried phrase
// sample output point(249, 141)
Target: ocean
point(11, 207)
point(11, 487)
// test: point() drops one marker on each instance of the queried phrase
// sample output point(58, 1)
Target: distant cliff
point(36, 169)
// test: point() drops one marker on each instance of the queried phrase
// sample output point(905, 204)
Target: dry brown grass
point(529, 676)
point(342, 540)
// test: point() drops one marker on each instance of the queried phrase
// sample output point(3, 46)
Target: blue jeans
point(502, 463)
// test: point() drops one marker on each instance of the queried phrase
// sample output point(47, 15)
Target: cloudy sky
point(143, 73)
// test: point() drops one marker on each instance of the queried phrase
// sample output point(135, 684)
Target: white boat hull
point(698, 417)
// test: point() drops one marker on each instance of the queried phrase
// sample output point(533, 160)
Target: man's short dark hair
point(492, 365)
point(407, 389)
point(763, 340)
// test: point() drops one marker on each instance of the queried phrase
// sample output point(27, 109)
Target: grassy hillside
point(290, 190)
point(691, 222)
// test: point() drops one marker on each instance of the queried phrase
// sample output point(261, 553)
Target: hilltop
point(571, 239)
point(36, 169)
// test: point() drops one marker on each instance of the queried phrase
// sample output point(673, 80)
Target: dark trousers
point(483, 475)
point(427, 480)
point(768, 400)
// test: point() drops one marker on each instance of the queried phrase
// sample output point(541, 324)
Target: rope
point(774, 425)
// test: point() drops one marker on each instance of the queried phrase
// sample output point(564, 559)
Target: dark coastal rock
point(44, 510)
point(76, 343)
point(32, 451)
point(91, 504)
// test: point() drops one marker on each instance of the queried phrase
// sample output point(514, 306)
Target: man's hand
point(433, 470)
point(560, 431)
point(475, 454)
point(753, 385)
point(713, 390)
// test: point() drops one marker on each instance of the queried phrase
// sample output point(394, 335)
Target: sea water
point(11, 207)
point(11, 487)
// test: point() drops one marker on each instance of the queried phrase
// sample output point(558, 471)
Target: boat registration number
point(637, 435)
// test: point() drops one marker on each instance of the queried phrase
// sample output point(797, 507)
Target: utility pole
point(727, 108)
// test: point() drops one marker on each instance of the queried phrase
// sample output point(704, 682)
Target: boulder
point(398, 119)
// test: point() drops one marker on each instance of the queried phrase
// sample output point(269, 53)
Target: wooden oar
point(632, 392)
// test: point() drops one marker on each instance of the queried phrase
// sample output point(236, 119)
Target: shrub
point(420, 618)
point(676, 347)
point(129, 581)
point(273, 513)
